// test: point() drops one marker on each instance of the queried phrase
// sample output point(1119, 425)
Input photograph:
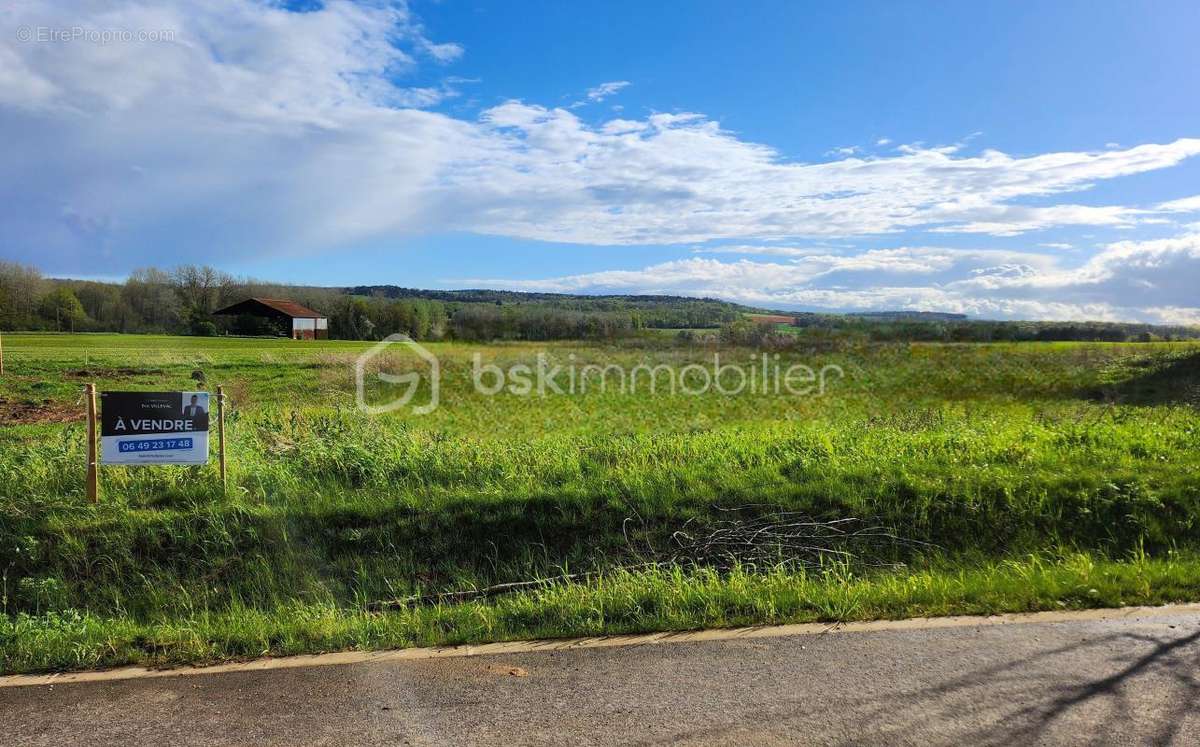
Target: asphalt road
point(1116, 681)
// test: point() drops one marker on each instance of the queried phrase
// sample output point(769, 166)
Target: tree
point(201, 290)
point(149, 293)
point(61, 307)
point(350, 320)
point(101, 302)
point(20, 289)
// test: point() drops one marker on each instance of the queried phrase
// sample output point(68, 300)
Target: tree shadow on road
point(1041, 698)
point(1030, 723)
point(1030, 700)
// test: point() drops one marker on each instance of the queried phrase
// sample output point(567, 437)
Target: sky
point(1003, 160)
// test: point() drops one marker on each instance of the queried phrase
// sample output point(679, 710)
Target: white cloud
point(261, 131)
point(1184, 205)
point(761, 250)
point(682, 178)
point(1013, 271)
point(444, 53)
point(1057, 245)
point(883, 141)
point(623, 127)
point(254, 130)
point(1011, 220)
point(1152, 281)
point(604, 90)
point(698, 276)
point(1172, 315)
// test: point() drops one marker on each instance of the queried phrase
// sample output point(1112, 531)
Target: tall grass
point(995, 460)
point(619, 603)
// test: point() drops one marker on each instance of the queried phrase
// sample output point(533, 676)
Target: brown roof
point(279, 305)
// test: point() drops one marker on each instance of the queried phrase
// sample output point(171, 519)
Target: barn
point(285, 316)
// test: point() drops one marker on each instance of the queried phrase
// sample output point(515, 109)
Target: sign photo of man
point(193, 408)
point(196, 410)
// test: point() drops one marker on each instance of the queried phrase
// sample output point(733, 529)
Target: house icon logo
point(410, 378)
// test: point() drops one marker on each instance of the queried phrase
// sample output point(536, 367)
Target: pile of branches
point(749, 538)
point(783, 539)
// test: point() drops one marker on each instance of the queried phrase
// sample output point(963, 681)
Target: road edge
point(562, 644)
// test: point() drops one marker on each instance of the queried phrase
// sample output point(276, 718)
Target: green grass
point(1033, 471)
point(623, 602)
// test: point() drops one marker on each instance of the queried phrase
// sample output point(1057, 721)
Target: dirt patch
point(773, 318)
point(13, 412)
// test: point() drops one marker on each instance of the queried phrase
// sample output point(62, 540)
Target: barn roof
point(278, 305)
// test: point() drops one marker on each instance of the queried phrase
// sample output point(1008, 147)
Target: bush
point(204, 328)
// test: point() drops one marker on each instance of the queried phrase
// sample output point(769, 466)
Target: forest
point(182, 300)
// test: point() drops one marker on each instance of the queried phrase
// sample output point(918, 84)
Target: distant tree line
point(881, 328)
point(182, 301)
point(483, 322)
point(649, 312)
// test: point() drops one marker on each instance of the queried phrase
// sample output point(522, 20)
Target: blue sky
point(1009, 160)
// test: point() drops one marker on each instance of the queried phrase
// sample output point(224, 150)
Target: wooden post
point(93, 487)
point(221, 435)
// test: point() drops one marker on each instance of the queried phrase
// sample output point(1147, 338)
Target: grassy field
point(1010, 477)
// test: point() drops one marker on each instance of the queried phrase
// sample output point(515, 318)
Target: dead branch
point(775, 539)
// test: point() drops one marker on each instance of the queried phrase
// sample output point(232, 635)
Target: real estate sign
point(154, 427)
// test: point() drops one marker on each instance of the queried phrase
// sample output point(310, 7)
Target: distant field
point(773, 318)
point(1019, 476)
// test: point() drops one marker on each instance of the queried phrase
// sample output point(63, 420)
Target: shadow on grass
point(1155, 380)
point(138, 561)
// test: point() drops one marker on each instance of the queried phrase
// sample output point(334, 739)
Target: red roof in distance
point(278, 305)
